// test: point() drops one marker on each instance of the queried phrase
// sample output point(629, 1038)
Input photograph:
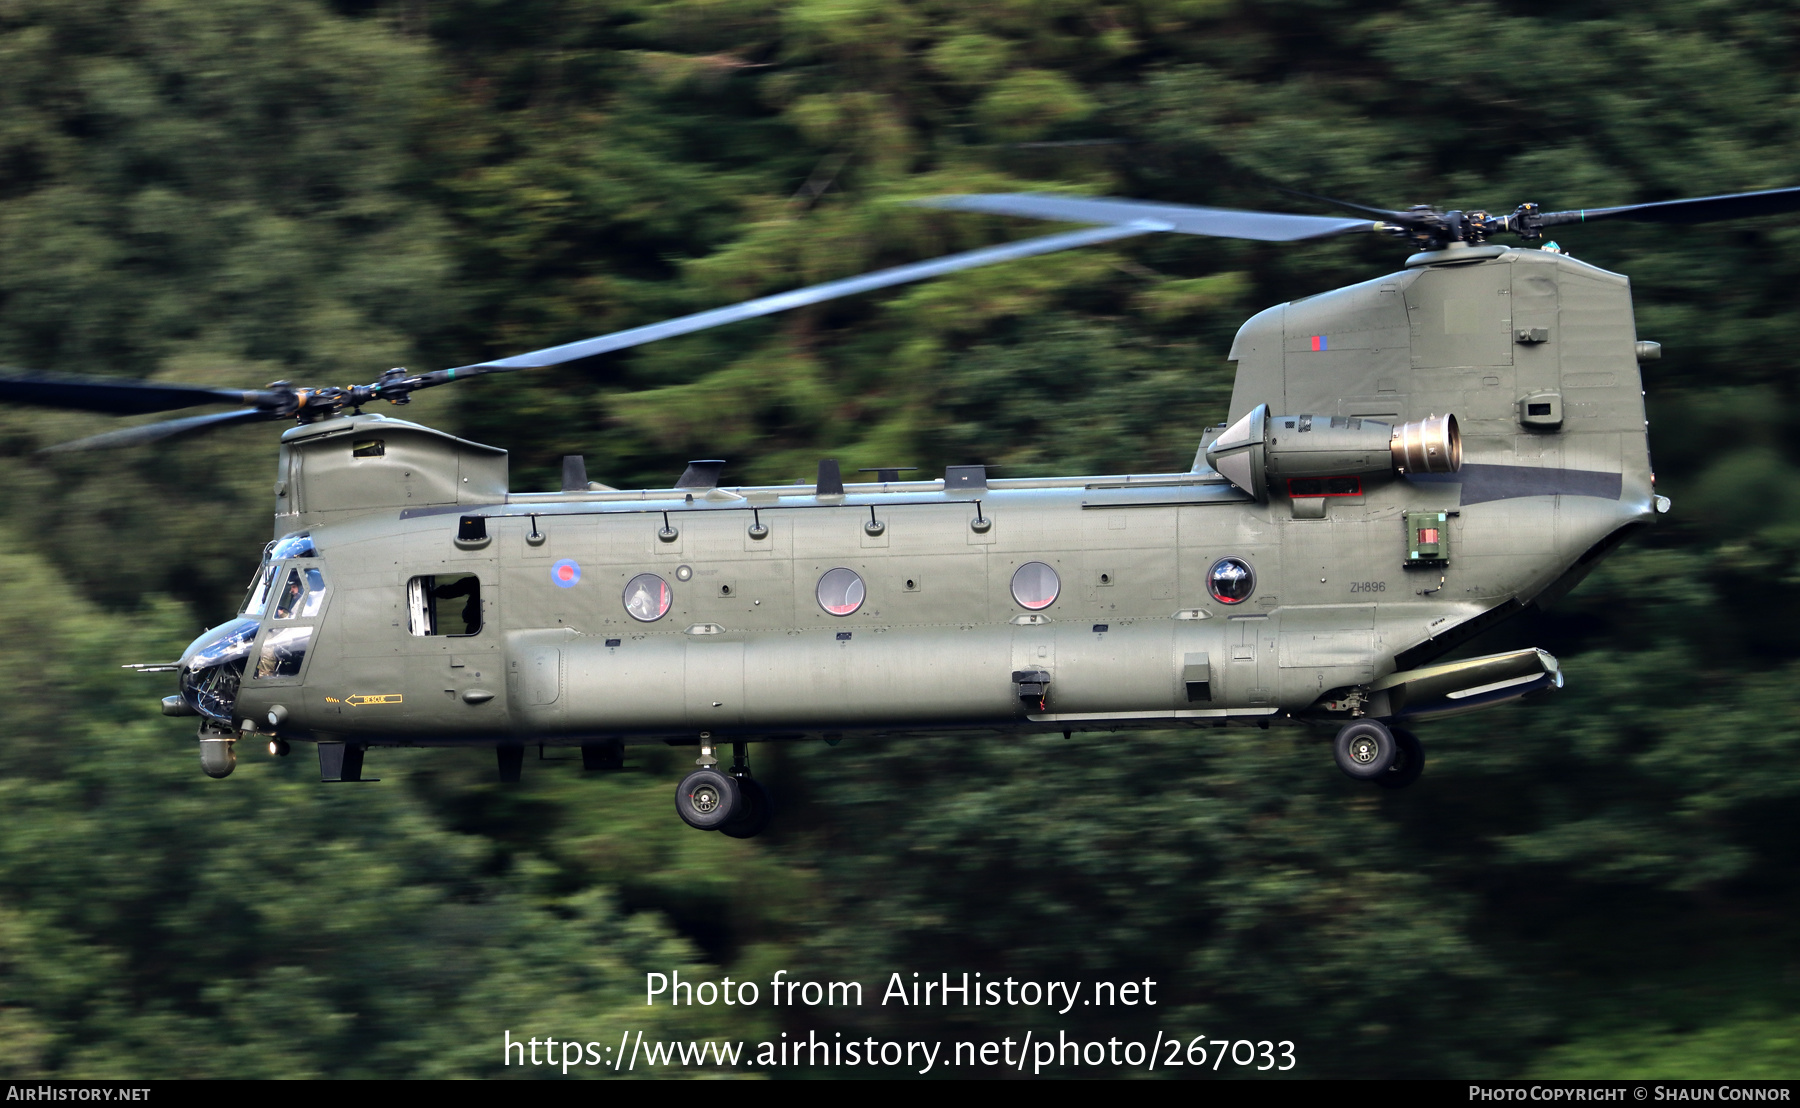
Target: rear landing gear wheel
point(756, 813)
point(1409, 760)
point(707, 799)
point(1365, 749)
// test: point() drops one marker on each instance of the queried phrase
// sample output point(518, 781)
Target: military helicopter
point(1406, 462)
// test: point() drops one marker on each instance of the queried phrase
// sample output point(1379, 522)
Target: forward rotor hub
point(1427, 228)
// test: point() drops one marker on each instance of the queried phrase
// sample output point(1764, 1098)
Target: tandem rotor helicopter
point(1406, 462)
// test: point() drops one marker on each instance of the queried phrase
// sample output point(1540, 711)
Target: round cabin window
point(647, 598)
point(1231, 580)
point(841, 591)
point(1035, 585)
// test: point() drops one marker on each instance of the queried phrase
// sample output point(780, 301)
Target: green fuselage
point(1135, 635)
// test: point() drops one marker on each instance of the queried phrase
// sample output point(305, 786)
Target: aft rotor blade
point(1699, 209)
point(812, 294)
point(120, 397)
point(1186, 219)
point(152, 432)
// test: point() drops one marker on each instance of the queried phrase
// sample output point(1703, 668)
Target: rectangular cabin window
point(446, 604)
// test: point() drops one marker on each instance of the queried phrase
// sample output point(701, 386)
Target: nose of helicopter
point(213, 665)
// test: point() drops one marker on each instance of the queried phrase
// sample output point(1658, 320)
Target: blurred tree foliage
point(248, 190)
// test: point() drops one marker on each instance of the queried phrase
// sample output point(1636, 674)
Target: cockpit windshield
point(257, 598)
point(297, 545)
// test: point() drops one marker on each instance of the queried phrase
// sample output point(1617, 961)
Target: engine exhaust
point(1429, 445)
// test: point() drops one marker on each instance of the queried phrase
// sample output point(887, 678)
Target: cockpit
point(286, 592)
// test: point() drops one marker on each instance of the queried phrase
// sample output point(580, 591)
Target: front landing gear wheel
point(707, 799)
point(1365, 749)
point(756, 813)
point(1409, 761)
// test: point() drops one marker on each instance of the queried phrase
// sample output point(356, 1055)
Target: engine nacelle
point(1260, 450)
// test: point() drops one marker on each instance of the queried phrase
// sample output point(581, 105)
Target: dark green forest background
point(235, 191)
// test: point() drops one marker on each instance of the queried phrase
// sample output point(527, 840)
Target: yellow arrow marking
point(377, 698)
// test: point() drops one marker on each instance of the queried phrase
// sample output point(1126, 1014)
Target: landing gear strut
point(732, 802)
point(757, 809)
point(1409, 760)
point(511, 761)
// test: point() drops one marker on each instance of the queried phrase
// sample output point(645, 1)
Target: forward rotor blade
point(152, 432)
point(799, 298)
point(1699, 209)
point(1229, 223)
point(120, 397)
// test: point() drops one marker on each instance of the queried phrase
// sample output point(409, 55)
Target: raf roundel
point(565, 573)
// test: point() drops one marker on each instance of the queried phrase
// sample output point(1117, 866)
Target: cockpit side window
point(289, 597)
point(283, 650)
point(315, 592)
point(302, 594)
point(447, 604)
point(284, 593)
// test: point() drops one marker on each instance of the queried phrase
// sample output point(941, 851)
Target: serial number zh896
point(1368, 586)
